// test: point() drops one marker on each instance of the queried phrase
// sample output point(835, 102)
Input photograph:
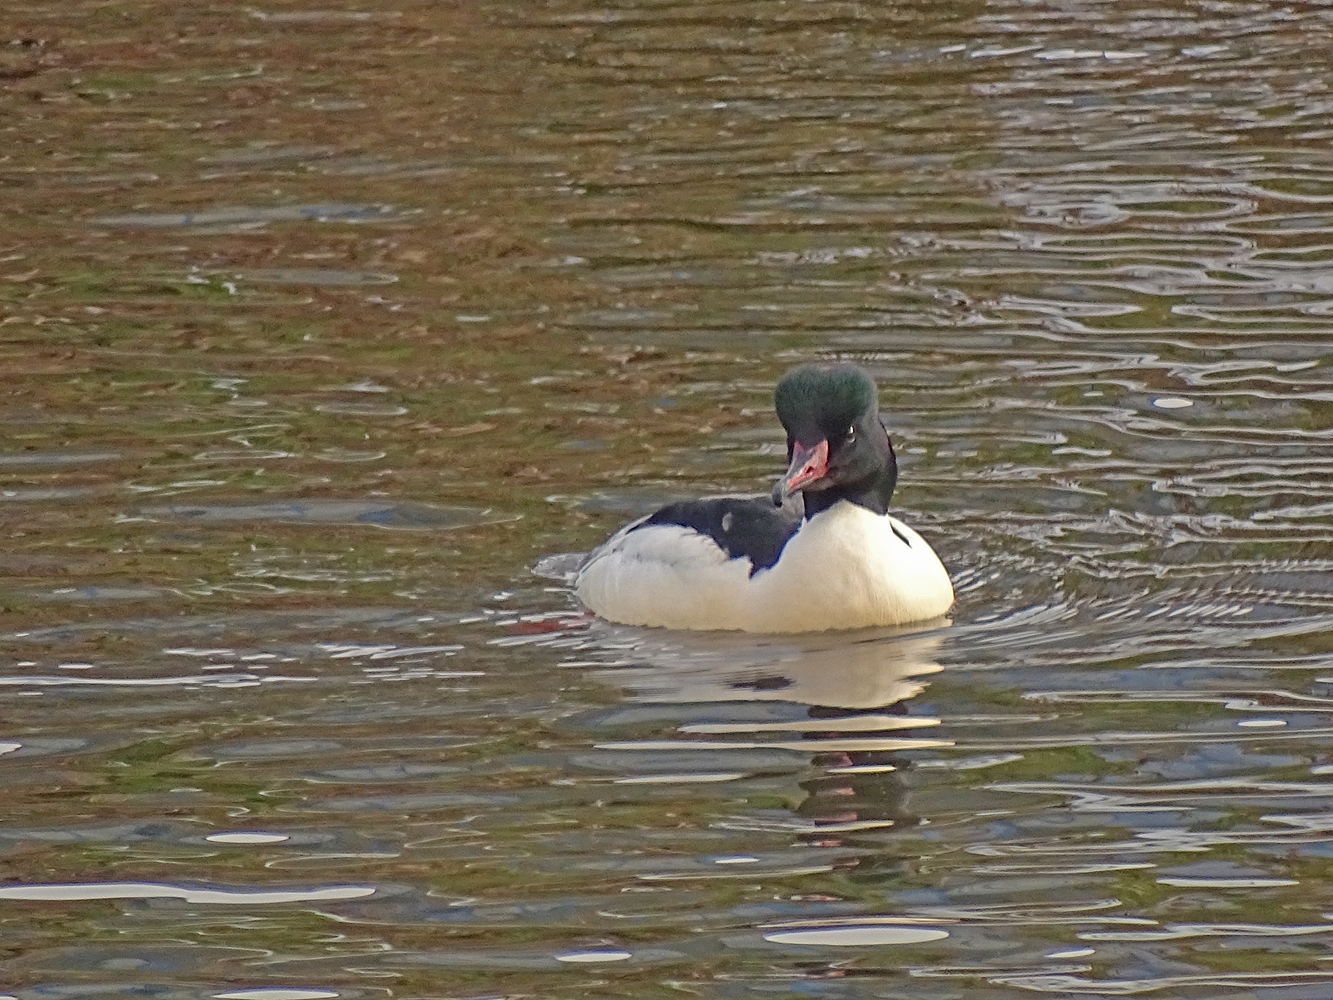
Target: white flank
point(845, 568)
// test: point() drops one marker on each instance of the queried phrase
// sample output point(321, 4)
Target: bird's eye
point(851, 433)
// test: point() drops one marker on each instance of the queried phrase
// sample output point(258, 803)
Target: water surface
point(324, 325)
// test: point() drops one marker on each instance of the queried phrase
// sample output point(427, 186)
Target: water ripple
point(1088, 257)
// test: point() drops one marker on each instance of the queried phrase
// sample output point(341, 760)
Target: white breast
point(845, 568)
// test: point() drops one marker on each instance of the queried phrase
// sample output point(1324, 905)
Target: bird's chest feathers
point(848, 568)
point(846, 548)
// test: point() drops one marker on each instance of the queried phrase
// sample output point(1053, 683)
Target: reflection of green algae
point(146, 752)
point(1075, 763)
point(146, 768)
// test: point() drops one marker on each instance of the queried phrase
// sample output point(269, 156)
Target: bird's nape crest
point(827, 396)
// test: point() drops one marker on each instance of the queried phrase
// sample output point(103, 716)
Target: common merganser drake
point(831, 558)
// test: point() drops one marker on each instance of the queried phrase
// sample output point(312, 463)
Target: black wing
point(749, 527)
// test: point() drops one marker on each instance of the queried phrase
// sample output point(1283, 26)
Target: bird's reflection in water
point(841, 698)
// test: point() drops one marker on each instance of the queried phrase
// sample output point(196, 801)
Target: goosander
point(820, 553)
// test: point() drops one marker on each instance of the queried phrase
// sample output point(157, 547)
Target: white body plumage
point(847, 567)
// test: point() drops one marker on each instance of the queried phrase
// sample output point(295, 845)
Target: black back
point(743, 527)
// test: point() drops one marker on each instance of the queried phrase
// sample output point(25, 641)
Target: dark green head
point(836, 447)
point(819, 402)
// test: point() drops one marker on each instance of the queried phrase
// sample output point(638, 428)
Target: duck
point(820, 552)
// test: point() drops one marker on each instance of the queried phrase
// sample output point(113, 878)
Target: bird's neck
point(873, 494)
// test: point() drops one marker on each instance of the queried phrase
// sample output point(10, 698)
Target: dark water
point(322, 325)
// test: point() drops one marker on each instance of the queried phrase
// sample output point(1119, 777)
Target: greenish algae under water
point(323, 325)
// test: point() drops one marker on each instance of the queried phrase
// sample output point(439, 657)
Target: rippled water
point(324, 326)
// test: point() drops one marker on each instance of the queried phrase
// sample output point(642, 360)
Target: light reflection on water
point(500, 278)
